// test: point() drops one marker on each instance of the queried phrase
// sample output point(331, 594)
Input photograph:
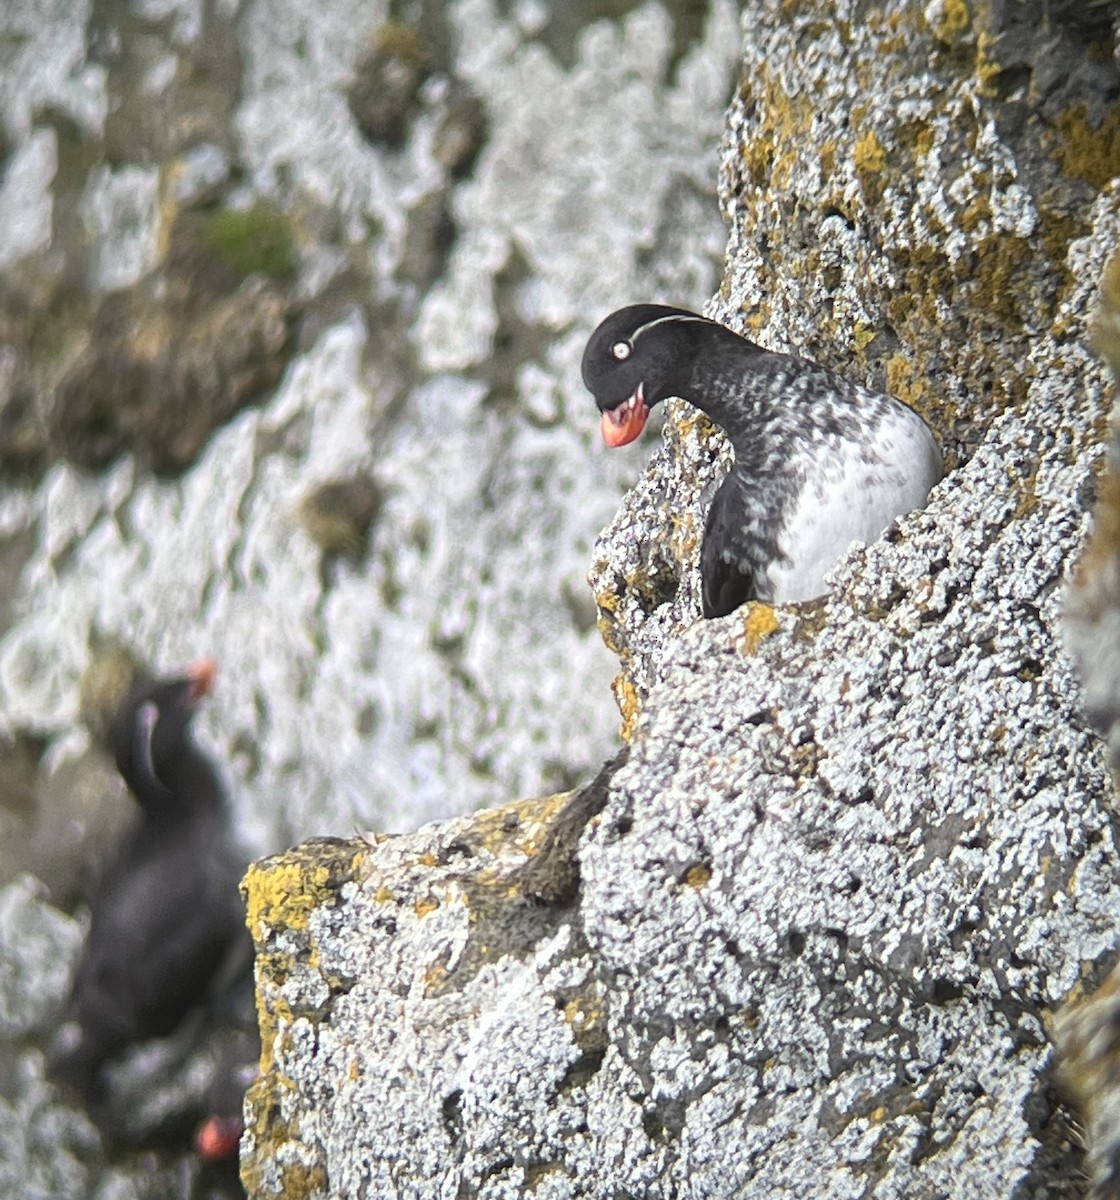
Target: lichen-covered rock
point(862, 848)
point(217, 311)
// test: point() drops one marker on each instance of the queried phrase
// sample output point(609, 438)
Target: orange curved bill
point(217, 1138)
point(623, 424)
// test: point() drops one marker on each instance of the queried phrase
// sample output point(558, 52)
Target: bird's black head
point(638, 356)
point(150, 734)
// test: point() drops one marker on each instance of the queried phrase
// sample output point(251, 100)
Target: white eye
point(621, 350)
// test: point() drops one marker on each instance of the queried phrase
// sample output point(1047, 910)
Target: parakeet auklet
point(819, 462)
point(166, 917)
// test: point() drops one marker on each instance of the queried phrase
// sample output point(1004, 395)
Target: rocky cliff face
point(861, 849)
point(292, 307)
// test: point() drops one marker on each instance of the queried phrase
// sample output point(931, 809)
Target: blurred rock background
point(291, 309)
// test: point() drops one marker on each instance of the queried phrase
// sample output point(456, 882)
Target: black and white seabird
point(166, 919)
point(819, 462)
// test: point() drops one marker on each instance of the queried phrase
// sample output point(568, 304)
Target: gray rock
point(38, 949)
point(862, 847)
point(454, 661)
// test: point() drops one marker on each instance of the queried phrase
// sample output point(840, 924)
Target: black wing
point(730, 554)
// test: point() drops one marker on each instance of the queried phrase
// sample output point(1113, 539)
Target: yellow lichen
point(870, 158)
point(952, 21)
point(760, 623)
point(425, 905)
point(435, 977)
point(905, 380)
point(924, 140)
point(582, 1015)
point(299, 1181)
point(987, 68)
point(608, 631)
point(629, 705)
point(827, 155)
point(1087, 153)
point(869, 155)
point(772, 157)
point(607, 600)
point(698, 875)
point(280, 893)
point(863, 335)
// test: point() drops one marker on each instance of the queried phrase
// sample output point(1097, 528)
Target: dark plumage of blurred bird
point(819, 462)
point(166, 922)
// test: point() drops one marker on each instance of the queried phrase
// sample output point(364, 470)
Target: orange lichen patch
point(280, 894)
point(757, 319)
point(271, 1009)
point(1087, 153)
point(699, 875)
point(979, 211)
point(428, 860)
point(584, 1015)
point(758, 155)
point(425, 905)
point(878, 1115)
point(354, 1071)
point(384, 895)
point(761, 622)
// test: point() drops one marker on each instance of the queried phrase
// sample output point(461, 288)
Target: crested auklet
point(166, 917)
point(819, 462)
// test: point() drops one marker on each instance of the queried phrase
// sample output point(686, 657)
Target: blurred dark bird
point(218, 1135)
point(166, 922)
point(819, 462)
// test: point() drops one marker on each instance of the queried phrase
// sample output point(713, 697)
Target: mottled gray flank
point(862, 847)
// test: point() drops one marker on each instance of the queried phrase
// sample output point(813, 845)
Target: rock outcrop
point(862, 848)
point(331, 354)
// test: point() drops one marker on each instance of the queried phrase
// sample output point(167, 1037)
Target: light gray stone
point(38, 949)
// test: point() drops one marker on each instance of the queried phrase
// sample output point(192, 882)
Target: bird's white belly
point(852, 498)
